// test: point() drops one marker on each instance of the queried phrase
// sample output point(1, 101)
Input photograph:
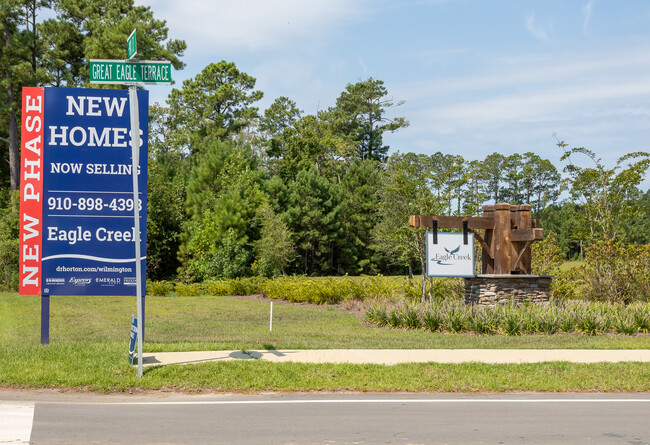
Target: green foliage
point(483, 321)
point(160, 288)
point(217, 102)
point(405, 191)
point(275, 249)
point(455, 317)
point(616, 273)
point(605, 194)
point(329, 290)
point(314, 216)
point(189, 290)
point(546, 255)
point(377, 314)
point(587, 318)
point(360, 113)
point(225, 190)
point(511, 320)
point(9, 240)
point(165, 214)
point(432, 319)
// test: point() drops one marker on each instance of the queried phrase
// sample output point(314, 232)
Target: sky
point(476, 76)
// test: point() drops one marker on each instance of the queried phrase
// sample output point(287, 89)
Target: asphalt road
point(330, 419)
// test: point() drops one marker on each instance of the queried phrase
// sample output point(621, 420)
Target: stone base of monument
point(492, 290)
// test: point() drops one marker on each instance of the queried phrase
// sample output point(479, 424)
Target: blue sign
point(88, 225)
point(134, 338)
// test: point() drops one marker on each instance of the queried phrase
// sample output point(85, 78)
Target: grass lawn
point(568, 265)
point(89, 344)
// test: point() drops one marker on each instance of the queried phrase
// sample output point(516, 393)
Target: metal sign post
point(135, 149)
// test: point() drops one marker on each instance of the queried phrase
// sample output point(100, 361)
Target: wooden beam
point(451, 222)
point(524, 235)
point(485, 246)
point(528, 243)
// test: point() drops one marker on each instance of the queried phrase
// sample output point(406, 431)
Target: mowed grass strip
point(105, 369)
point(223, 323)
point(89, 344)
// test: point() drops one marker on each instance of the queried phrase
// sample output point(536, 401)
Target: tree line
point(237, 191)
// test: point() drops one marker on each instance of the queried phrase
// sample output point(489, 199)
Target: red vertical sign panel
point(31, 191)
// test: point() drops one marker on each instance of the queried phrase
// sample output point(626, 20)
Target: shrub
point(376, 286)
point(160, 288)
point(394, 318)
point(590, 320)
point(9, 240)
point(454, 317)
point(617, 273)
point(189, 290)
point(511, 320)
point(377, 314)
point(409, 317)
point(626, 323)
point(483, 320)
point(546, 255)
point(642, 317)
point(548, 320)
point(218, 287)
point(431, 319)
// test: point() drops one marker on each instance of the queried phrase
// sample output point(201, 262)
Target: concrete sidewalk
point(395, 356)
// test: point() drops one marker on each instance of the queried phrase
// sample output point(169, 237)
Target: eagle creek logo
point(451, 255)
point(80, 281)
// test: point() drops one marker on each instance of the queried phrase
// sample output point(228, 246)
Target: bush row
point(294, 289)
point(587, 318)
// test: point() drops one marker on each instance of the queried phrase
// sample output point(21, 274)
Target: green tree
point(16, 71)
point(405, 191)
point(313, 215)
point(312, 141)
point(445, 178)
point(224, 190)
point(513, 177)
point(359, 200)
point(98, 29)
point(275, 249)
point(541, 183)
point(217, 103)
point(607, 195)
point(472, 192)
point(492, 171)
point(361, 114)
point(56, 51)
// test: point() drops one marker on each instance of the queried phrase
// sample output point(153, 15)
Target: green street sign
point(132, 45)
point(150, 72)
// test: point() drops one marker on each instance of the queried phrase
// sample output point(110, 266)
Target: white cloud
point(535, 28)
point(250, 25)
point(539, 72)
point(586, 12)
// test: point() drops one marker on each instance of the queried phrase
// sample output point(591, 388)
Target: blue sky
point(477, 76)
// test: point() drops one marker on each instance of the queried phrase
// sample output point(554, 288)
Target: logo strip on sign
point(31, 191)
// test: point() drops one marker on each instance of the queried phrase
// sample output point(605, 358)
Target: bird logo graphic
point(451, 252)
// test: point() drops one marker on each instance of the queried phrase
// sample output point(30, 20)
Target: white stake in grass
point(271, 319)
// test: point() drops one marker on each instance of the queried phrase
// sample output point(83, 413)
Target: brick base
point(490, 290)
